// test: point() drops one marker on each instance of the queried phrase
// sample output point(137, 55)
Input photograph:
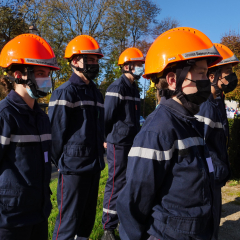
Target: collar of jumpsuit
point(180, 110)
point(20, 105)
point(131, 85)
point(76, 80)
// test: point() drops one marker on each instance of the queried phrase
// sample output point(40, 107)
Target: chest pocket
point(29, 157)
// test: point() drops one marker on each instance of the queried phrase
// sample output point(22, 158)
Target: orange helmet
point(227, 54)
point(82, 44)
point(28, 49)
point(176, 45)
point(131, 55)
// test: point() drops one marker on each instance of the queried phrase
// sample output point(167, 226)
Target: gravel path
point(230, 222)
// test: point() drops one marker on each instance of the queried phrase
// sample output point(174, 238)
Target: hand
point(105, 145)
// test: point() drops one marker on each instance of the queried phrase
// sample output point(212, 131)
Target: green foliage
point(12, 23)
point(116, 25)
point(234, 146)
point(97, 231)
point(150, 102)
point(54, 212)
point(234, 183)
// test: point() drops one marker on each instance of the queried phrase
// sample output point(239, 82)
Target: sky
point(212, 17)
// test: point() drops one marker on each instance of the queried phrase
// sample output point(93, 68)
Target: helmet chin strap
point(84, 68)
point(31, 82)
point(181, 74)
point(130, 71)
point(215, 82)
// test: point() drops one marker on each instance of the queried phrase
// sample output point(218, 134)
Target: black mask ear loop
point(215, 81)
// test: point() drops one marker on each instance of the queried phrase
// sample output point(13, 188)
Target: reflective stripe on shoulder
point(30, 138)
point(209, 122)
point(113, 94)
point(76, 104)
point(109, 211)
point(165, 155)
point(4, 140)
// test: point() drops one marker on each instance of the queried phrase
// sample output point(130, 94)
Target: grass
point(233, 183)
point(97, 231)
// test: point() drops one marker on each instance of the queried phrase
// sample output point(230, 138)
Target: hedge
point(234, 146)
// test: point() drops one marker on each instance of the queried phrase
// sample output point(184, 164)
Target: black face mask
point(92, 71)
point(191, 107)
point(232, 83)
point(203, 93)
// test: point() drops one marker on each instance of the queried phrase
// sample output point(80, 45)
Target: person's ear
point(17, 74)
point(126, 67)
point(74, 61)
point(211, 77)
point(171, 80)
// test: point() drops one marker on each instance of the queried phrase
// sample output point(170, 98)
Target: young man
point(222, 84)
point(168, 194)
point(76, 111)
point(122, 115)
point(25, 142)
point(210, 123)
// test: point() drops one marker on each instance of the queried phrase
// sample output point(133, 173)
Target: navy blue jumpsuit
point(76, 112)
point(122, 115)
point(25, 170)
point(210, 123)
point(221, 106)
point(168, 194)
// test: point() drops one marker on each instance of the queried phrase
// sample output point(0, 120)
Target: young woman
point(25, 139)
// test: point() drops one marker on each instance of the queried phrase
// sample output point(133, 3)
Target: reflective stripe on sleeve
point(209, 122)
point(76, 104)
point(100, 105)
point(165, 155)
point(109, 211)
point(4, 140)
point(45, 137)
point(113, 94)
point(30, 138)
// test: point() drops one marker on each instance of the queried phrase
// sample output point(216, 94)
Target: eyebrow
point(202, 68)
point(41, 71)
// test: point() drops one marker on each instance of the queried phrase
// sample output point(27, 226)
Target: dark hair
point(6, 86)
point(5, 83)
point(162, 84)
point(18, 67)
point(212, 71)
